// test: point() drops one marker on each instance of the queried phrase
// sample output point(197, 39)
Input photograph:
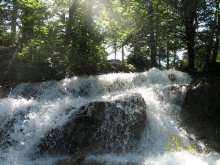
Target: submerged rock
point(103, 126)
point(48, 90)
point(173, 93)
point(8, 126)
point(201, 111)
point(172, 77)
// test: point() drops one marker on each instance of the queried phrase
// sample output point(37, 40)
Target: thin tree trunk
point(122, 53)
point(28, 25)
point(210, 43)
point(115, 49)
point(191, 51)
point(209, 50)
point(216, 45)
point(168, 57)
point(88, 16)
point(14, 17)
point(174, 57)
point(159, 58)
point(190, 16)
point(152, 44)
point(72, 10)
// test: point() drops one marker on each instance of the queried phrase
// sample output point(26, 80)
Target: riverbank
point(201, 110)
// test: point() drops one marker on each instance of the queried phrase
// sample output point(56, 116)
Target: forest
point(48, 40)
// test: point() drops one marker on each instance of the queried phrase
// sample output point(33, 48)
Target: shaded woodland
point(48, 40)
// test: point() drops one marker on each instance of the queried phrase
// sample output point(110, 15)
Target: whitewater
point(45, 105)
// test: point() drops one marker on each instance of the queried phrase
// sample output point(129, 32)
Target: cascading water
point(32, 110)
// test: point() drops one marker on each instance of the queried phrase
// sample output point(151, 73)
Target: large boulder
point(103, 126)
point(201, 111)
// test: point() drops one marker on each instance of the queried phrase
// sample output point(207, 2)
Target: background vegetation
point(43, 40)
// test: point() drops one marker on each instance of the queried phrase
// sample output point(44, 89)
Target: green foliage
point(176, 143)
point(4, 16)
point(7, 49)
point(41, 40)
point(114, 66)
point(218, 58)
point(86, 55)
point(32, 63)
point(139, 59)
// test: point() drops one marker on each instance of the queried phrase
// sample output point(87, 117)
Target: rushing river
point(45, 103)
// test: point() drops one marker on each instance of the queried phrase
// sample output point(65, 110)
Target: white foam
point(44, 107)
point(168, 158)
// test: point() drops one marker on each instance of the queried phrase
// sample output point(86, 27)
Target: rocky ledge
point(201, 111)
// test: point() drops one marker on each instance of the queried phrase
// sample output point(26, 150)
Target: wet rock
point(83, 90)
point(173, 93)
point(172, 77)
point(3, 92)
point(201, 111)
point(117, 85)
point(7, 126)
point(36, 90)
point(26, 90)
point(78, 158)
point(109, 126)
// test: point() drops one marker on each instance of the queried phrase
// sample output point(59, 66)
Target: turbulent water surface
point(43, 105)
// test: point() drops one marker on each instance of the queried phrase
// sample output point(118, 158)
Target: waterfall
point(33, 109)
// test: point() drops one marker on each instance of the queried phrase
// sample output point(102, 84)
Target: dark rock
point(3, 92)
point(35, 90)
point(78, 158)
point(173, 93)
point(201, 111)
point(108, 126)
point(117, 85)
point(26, 90)
point(83, 90)
point(7, 126)
point(172, 77)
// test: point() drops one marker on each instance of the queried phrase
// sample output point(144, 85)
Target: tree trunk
point(168, 57)
point(27, 25)
point(122, 53)
point(115, 49)
point(209, 50)
point(190, 16)
point(216, 45)
point(152, 44)
point(88, 17)
point(72, 10)
point(159, 60)
point(174, 57)
point(191, 51)
point(14, 17)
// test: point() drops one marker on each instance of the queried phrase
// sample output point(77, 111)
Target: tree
point(14, 16)
point(72, 12)
point(86, 54)
point(217, 32)
point(151, 26)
